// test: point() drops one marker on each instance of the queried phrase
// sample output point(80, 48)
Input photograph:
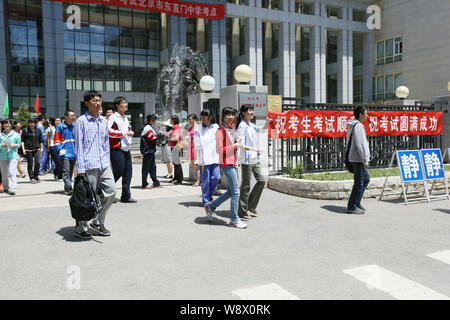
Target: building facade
point(320, 51)
point(412, 49)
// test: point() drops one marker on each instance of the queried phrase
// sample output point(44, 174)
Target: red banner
point(333, 124)
point(173, 7)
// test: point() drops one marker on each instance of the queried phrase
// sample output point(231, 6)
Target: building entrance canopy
point(172, 7)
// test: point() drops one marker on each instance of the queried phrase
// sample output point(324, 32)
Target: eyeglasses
point(96, 100)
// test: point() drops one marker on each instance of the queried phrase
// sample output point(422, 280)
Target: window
point(271, 4)
point(333, 12)
point(304, 7)
point(331, 46)
point(359, 15)
point(357, 90)
point(380, 52)
point(113, 51)
point(305, 43)
point(398, 49)
point(389, 50)
point(25, 44)
point(384, 86)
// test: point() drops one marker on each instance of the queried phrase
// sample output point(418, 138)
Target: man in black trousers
point(120, 139)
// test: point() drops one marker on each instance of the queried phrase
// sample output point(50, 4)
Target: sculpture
point(179, 79)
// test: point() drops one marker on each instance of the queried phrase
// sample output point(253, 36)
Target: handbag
point(347, 163)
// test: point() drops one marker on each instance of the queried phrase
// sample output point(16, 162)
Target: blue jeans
point(361, 180)
point(232, 192)
point(210, 176)
point(44, 161)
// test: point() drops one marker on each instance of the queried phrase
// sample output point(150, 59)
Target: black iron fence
point(327, 154)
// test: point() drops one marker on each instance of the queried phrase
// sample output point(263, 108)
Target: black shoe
point(68, 193)
point(82, 235)
point(130, 200)
point(361, 207)
point(100, 229)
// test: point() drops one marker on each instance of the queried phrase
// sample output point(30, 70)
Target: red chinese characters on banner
point(333, 124)
point(172, 7)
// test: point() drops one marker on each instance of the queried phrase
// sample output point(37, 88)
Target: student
point(192, 118)
point(249, 158)
point(166, 154)
point(41, 125)
point(32, 146)
point(109, 112)
point(148, 149)
point(207, 158)
point(226, 148)
point(17, 127)
point(57, 169)
point(65, 148)
point(359, 157)
point(174, 139)
point(9, 143)
point(93, 161)
point(120, 140)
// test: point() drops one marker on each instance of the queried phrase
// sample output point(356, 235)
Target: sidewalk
point(29, 195)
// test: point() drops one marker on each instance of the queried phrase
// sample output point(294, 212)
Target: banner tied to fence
point(172, 7)
point(333, 124)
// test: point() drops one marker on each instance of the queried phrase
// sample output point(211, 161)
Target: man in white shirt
point(120, 139)
point(206, 157)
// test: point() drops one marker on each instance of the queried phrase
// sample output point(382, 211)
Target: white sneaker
point(238, 224)
point(208, 211)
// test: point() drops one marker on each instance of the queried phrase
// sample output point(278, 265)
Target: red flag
point(36, 105)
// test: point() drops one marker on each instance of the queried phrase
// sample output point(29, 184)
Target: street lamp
point(402, 92)
point(207, 84)
point(243, 73)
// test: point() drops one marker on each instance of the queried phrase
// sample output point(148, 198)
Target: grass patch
point(344, 175)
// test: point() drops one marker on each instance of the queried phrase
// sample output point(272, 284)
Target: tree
point(23, 115)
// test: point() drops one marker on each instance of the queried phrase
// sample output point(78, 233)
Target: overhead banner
point(172, 7)
point(333, 124)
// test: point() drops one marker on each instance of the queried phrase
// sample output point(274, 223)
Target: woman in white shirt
point(250, 160)
point(206, 157)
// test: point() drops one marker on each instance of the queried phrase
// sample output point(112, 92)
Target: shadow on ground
point(191, 204)
point(335, 209)
point(215, 221)
point(447, 211)
point(67, 235)
point(56, 192)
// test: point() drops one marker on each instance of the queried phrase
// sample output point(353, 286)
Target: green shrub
point(297, 172)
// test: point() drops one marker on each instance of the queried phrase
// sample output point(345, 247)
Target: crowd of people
point(99, 147)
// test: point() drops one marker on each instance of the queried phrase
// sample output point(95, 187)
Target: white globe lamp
point(207, 83)
point(243, 73)
point(402, 92)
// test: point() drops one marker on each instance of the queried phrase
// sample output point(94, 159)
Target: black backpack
point(83, 203)
point(348, 165)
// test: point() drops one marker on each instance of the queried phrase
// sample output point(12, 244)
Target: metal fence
point(327, 154)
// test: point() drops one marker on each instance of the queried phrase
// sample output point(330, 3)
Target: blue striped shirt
point(91, 143)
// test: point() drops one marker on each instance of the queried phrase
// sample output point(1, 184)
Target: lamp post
point(207, 84)
point(243, 73)
point(402, 92)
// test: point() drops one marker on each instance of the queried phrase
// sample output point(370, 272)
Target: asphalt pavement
point(163, 247)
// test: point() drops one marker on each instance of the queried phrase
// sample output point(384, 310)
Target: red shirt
point(176, 130)
point(225, 146)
